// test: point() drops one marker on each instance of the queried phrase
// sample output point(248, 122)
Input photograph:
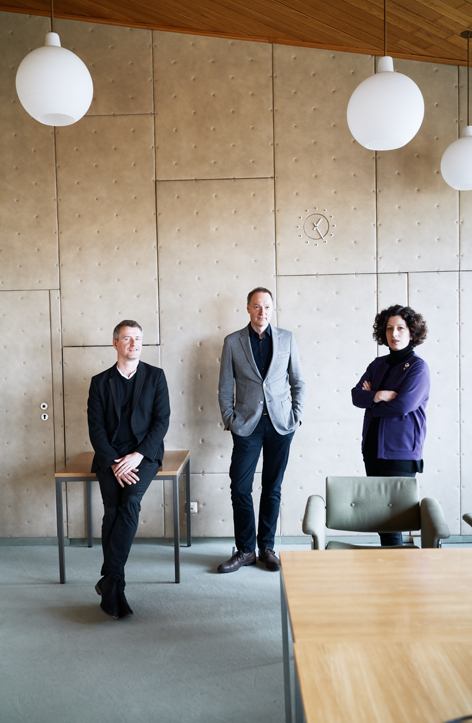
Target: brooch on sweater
point(406, 366)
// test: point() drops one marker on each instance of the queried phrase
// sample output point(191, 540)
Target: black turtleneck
point(397, 357)
point(388, 467)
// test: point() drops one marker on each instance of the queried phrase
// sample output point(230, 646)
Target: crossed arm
point(382, 396)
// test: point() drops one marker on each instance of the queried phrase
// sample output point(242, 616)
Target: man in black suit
point(128, 416)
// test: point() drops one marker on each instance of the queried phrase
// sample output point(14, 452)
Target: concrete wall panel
point(466, 397)
point(436, 296)
point(320, 169)
point(417, 211)
point(27, 506)
point(107, 227)
point(213, 107)
point(215, 245)
point(465, 198)
point(392, 289)
point(331, 317)
point(119, 61)
point(28, 241)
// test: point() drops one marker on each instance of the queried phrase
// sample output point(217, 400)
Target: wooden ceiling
point(416, 29)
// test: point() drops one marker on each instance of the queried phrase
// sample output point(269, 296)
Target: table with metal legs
point(352, 606)
point(175, 463)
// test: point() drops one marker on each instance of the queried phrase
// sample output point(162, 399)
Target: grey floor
point(208, 649)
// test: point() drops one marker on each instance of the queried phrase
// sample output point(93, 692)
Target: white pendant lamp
point(386, 110)
point(456, 163)
point(54, 86)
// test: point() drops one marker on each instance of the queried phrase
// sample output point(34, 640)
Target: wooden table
point(173, 465)
point(374, 597)
point(379, 682)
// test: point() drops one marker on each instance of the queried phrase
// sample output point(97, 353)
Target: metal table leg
point(187, 503)
point(175, 490)
point(60, 530)
point(286, 652)
point(299, 711)
point(88, 503)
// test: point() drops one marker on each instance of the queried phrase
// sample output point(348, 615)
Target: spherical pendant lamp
point(386, 110)
point(456, 163)
point(54, 86)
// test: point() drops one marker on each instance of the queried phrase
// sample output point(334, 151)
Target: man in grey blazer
point(262, 394)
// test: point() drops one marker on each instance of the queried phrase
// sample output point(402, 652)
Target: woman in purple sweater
point(394, 391)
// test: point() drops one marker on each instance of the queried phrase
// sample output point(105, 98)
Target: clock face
point(317, 226)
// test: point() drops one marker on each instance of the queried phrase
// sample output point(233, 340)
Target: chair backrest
point(372, 504)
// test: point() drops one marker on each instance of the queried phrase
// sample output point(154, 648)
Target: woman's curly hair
point(414, 322)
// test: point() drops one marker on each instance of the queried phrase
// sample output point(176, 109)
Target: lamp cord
point(385, 27)
point(52, 16)
point(468, 41)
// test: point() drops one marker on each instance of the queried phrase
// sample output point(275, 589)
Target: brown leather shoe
point(240, 559)
point(268, 556)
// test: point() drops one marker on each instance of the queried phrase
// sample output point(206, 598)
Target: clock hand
point(315, 227)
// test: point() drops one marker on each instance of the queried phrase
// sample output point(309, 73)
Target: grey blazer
point(283, 387)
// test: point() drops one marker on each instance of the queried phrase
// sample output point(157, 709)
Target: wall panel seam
point(224, 178)
point(370, 273)
point(273, 165)
point(60, 304)
point(158, 335)
point(116, 115)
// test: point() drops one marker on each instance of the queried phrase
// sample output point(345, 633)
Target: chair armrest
point(433, 524)
point(314, 522)
point(467, 518)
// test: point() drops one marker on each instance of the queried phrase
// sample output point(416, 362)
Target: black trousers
point(387, 539)
point(120, 520)
point(275, 448)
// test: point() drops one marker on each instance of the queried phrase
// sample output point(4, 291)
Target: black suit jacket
point(149, 416)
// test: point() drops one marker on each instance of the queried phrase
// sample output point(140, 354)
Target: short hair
point(414, 321)
point(259, 290)
point(125, 322)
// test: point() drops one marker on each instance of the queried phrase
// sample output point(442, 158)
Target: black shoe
point(240, 559)
point(106, 587)
point(268, 556)
point(124, 609)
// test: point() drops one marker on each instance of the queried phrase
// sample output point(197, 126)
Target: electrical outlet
point(193, 508)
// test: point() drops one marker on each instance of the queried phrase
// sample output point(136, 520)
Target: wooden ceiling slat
point(209, 14)
point(283, 26)
point(448, 11)
point(436, 39)
point(341, 14)
point(424, 14)
point(280, 22)
point(245, 23)
point(461, 53)
point(420, 29)
point(341, 10)
point(342, 32)
point(161, 14)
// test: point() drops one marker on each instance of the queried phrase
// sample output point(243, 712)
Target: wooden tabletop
point(375, 595)
point(379, 682)
point(172, 464)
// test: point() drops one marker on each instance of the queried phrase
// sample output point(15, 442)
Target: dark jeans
point(120, 521)
point(387, 539)
point(246, 451)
